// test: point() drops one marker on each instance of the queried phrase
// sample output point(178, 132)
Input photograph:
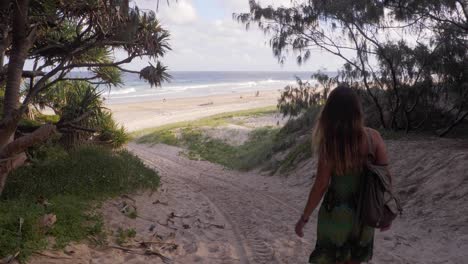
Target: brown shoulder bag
point(378, 206)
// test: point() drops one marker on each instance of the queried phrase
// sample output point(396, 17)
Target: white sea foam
point(222, 85)
point(143, 90)
point(122, 91)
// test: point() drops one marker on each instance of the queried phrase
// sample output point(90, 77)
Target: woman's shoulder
point(375, 134)
point(372, 131)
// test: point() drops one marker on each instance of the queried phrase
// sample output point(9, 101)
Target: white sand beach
point(147, 114)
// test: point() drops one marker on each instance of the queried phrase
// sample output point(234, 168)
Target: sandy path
point(431, 179)
point(261, 223)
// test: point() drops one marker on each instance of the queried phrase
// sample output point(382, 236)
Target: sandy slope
point(431, 176)
point(222, 216)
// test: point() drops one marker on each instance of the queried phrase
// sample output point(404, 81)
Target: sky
point(204, 37)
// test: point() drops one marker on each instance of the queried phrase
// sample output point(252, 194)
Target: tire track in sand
point(247, 210)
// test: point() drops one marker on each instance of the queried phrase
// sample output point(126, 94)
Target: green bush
point(73, 184)
point(111, 132)
point(88, 171)
point(247, 156)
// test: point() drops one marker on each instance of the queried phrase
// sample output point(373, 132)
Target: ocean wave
point(144, 90)
point(224, 84)
point(122, 91)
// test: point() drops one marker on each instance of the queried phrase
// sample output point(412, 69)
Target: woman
point(342, 144)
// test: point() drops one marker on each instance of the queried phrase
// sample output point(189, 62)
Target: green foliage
point(155, 75)
point(53, 119)
point(295, 155)
point(109, 75)
point(111, 132)
point(30, 237)
point(48, 152)
point(29, 123)
point(82, 114)
point(294, 140)
point(296, 127)
point(412, 85)
point(247, 156)
point(294, 100)
point(67, 185)
point(80, 99)
point(255, 151)
point(163, 136)
point(107, 173)
point(84, 33)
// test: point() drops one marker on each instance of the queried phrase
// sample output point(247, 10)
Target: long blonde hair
point(339, 132)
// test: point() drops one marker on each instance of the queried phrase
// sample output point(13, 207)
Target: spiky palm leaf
point(155, 75)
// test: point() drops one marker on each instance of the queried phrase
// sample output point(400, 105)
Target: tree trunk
point(4, 28)
point(12, 155)
point(22, 40)
point(21, 44)
point(11, 152)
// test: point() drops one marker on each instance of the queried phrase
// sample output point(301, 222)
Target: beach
point(147, 114)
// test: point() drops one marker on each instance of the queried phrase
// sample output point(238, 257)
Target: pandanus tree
point(408, 58)
point(57, 37)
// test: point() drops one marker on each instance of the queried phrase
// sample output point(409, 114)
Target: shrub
point(111, 132)
point(255, 151)
point(69, 185)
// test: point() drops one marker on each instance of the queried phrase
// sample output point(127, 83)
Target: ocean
point(193, 84)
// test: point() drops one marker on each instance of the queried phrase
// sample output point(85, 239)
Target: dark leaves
point(155, 75)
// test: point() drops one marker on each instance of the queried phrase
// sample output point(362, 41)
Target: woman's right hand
point(300, 226)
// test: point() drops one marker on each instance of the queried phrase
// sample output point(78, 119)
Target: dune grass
point(256, 150)
point(260, 149)
point(71, 186)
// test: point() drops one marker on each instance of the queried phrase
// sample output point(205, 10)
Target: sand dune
point(223, 216)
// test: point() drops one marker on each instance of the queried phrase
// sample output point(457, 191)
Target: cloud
point(178, 12)
point(205, 37)
point(243, 5)
point(181, 12)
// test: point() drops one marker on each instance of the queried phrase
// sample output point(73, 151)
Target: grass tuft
point(123, 235)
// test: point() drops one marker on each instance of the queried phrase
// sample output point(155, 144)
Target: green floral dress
point(340, 235)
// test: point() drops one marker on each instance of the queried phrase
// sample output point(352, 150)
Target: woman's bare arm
point(318, 189)
point(381, 156)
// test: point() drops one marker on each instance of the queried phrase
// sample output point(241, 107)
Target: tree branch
point(21, 144)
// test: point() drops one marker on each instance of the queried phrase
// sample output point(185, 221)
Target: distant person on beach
point(341, 141)
point(257, 94)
